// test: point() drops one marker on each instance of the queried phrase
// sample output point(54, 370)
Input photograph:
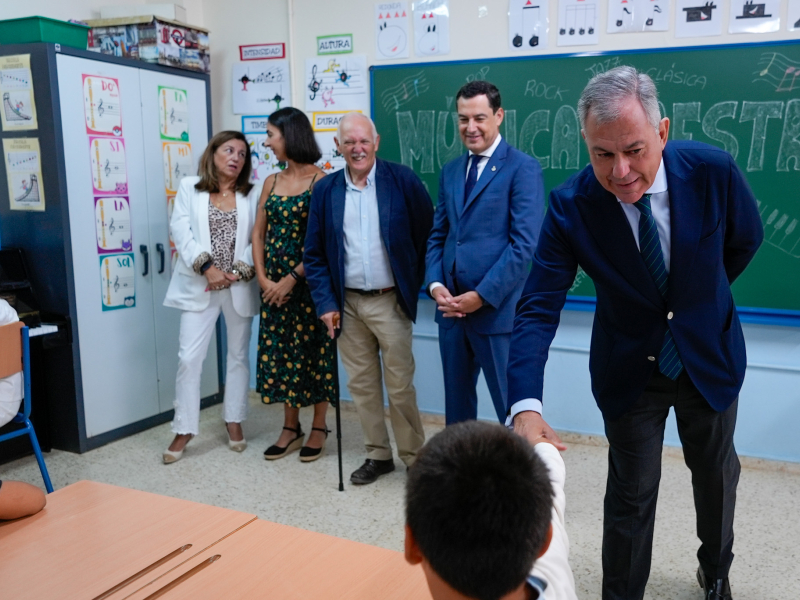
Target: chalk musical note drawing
point(695, 14)
point(109, 170)
point(173, 114)
point(340, 81)
point(101, 105)
point(780, 72)
point(780, 229)
point(117, 281)
point(405, 91)
point(113, 224)
point(178, 163)
point(750, 10)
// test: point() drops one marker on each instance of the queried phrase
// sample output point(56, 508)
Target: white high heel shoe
point(173, 456)
point(236, 446)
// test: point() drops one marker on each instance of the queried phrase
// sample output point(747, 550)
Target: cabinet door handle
point(160, 250)
point(146, 254)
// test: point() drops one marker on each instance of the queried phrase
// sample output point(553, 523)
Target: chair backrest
point(11, 349)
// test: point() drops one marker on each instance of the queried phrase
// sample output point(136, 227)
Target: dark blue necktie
point(472, 176)
point(669, 363)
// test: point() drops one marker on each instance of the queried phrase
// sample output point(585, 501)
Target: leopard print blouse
point(223, 236)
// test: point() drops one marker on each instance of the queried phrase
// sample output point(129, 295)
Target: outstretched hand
point(530, 425)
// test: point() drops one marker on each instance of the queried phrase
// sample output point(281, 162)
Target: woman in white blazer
point(211, 226)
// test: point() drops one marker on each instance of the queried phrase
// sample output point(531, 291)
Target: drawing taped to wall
point(337, 83)
point(577, 22)
point(391, 30)
point(754, 16)
point(528, 24)
point(697, 18)
point(16, 88)
point(260, 87)
point(793, 22)
point(431, 27)
point(626, 16)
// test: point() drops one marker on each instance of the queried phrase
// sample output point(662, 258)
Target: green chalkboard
point(743, 98)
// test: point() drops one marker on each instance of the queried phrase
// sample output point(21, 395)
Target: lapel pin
point(494, 169)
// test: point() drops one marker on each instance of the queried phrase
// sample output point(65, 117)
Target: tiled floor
point(767, 563)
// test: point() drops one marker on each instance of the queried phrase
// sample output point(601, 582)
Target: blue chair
point(17, 352)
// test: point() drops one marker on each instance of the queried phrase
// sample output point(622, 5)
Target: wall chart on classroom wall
point(260, 87)
point(337, 83)
point(24, 171)
point(16, 91)
point(743, 98)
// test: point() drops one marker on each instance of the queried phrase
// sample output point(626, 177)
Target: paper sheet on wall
point(391, 30)
point(528, 25)
point(332, 160)
point(261, 87)
point(577, 22)
point(24, 171)
point(177, 157)
point(16, 90)
point(431, 27)
point(263, 161)
point(101, 105)
point(626, 16)
point(697, 18)
point(337, 83)
point(109, 170)
point(113, 224)
point(117, 281)
point(173, 114)
point(793, 22)
point(754, 16)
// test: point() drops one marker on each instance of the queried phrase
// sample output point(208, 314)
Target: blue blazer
point(490, 238)
point(715, 232)
point(405, 212)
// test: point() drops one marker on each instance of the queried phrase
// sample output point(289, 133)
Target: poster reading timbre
point(109, 171)
point(117, 281)
point(16, 89)
point(24, 172)
point(101, 105)
point(113, 224)
point(173, 114)
point(177, 157)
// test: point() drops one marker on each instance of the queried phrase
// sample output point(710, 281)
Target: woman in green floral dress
point(295, 359)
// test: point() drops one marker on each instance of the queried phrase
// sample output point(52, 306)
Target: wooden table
point(91, 537)
point(266, 560)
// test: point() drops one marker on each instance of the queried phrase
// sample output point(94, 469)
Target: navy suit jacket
point(715, 232)
point(405, 212)
point(490, 238)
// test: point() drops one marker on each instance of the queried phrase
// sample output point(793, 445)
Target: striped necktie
point(669, 363)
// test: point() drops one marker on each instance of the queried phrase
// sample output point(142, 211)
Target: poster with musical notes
point(117, 281)
point(528, 24)
point(697, 18)
point(113, 224)
point(24, 173)
point(173, 114)
point(177, 157)
point(337, 83)
point(109, 171)
point(16, 90)
point(101, 105)
point(578, 22)
point(626, 16)
point(754, 16)
point(260, 87)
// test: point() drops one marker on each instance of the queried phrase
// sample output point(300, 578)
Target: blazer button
point(651, 358)
point(458, 243)
point(669, 315)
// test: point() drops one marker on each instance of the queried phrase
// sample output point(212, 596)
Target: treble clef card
point(101, 105)
point(113, 224)
point(109, 171)
point(173, 114)
point(117, 281)
point(178, 164)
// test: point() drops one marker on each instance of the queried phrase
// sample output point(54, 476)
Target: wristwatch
point(206, 266)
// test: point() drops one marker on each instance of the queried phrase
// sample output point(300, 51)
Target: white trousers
point(196, 331)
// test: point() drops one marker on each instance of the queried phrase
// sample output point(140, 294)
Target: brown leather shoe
point(714, 589)
point(371, 470)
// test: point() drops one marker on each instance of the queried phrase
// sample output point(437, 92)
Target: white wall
point(88, 9)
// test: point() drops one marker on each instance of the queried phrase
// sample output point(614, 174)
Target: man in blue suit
point(663, 229)
point(491, 204)
point(365, 262)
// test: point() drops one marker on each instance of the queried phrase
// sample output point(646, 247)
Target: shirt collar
point(370, 176)
point(490, 150)
point(659, 183)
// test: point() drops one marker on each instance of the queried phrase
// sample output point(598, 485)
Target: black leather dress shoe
point(714, 589)
point(371, 470)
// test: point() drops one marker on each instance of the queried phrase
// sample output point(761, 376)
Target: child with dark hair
point(485, 516)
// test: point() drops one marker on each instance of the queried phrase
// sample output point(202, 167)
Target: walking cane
point(336, 331)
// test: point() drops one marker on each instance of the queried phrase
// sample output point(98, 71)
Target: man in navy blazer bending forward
point(663, 229)
point(491, 204)
point(365, 262)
